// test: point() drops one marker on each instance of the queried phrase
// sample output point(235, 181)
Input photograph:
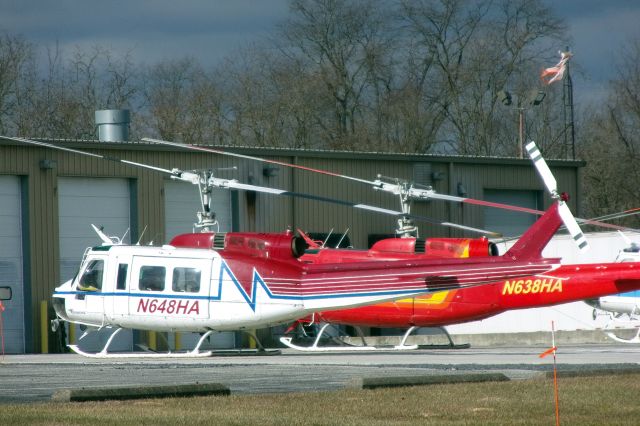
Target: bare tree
point(272, 100)
point(468, 51)
point(60, 99)
point(15, 56)
point(611, 143)
point(412, 76)
point(339, 42)
point(183, 102)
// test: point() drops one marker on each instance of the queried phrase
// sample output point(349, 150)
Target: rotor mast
point(206, 182)
point(407, 193)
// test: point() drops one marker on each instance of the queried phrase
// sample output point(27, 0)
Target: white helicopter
point(206, 282)
point(623, 309)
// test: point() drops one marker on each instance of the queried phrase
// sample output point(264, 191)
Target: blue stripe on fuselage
point(635, 293)
point(249, 299)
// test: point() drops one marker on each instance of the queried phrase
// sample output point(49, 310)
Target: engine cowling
point(438, 247)
point(264, 245)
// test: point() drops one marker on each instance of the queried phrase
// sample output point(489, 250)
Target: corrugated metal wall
point(257, 212)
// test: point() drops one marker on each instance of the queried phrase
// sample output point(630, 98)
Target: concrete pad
point(34, 378)
point(598, 372)
point(391, 382)
point(139, 392)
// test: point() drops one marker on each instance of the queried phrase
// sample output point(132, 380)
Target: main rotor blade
point(486, 203)
point(249, 157)
point(191, 177)
point(378, 184)
point(225, 183)
point(375, 184)
point(247, 187)
point(618, 215)
point(88, 154)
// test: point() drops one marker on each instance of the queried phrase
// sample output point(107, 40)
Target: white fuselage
point(626, 303)
point(623, 303)
point(186, 294)
point(180, 289)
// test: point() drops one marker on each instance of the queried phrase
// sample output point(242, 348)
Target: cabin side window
point(91, 279)
point(186, 280)
point(152, 278)
point(122, 276)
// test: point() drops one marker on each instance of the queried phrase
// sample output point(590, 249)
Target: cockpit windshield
point(91, 279)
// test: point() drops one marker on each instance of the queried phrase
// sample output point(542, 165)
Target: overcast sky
point(209, 30)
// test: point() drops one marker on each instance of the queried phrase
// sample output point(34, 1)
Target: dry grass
point(583, 401)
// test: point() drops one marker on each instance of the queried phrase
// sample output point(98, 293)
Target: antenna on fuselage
point(324, 243)
point(125, 234)
point(342, 238)
point(106, 241)
point(140, 239)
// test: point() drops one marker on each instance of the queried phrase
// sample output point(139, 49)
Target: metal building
point(49, 198)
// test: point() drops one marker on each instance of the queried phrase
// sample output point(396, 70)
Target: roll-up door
point(506, 222)
point(106, 203)
point(11, 277)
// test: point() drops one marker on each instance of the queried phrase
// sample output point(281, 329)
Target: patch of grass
point(583, 400)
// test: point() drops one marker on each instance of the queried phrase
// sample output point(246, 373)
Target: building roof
point(293, 152)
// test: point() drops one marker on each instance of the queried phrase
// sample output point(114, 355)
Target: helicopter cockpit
point(91, 279)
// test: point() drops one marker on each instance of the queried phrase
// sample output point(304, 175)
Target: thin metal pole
point(521, 132)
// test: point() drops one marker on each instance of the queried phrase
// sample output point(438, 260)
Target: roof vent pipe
point(113, 125)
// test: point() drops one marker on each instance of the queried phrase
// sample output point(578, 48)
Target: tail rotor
point(552, 186)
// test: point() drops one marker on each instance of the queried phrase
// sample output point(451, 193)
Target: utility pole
point(526, 100)
point(569, 129)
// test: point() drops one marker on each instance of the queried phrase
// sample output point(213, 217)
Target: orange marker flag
point(548, 352)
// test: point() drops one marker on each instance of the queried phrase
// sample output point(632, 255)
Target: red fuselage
point(569, 283)
point(450, 265)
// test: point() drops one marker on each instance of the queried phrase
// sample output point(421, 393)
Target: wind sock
point(556, 73)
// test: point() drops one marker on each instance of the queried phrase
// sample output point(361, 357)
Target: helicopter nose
point(593, 302)
point(59, 306)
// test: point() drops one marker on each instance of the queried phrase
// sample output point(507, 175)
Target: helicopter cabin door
point(89, 298)
point(172, 287)
point(120, 292)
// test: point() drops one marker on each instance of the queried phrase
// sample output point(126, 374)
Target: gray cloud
point(210, 30)
point(155, 30)
point(599, 31)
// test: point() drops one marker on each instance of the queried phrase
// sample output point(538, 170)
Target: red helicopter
point(205, 282)
point(568, 283)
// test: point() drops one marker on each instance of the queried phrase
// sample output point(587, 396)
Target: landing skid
point(194, 353)
point(314, 347)
point(104, 353)
point(635, 339)
point(451, 345)
point(632, 323)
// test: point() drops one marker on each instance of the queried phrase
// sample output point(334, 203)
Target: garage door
point(510, 223)
point(11, 264)
point(181, 204)
point(104, 202)
point(83, 202)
